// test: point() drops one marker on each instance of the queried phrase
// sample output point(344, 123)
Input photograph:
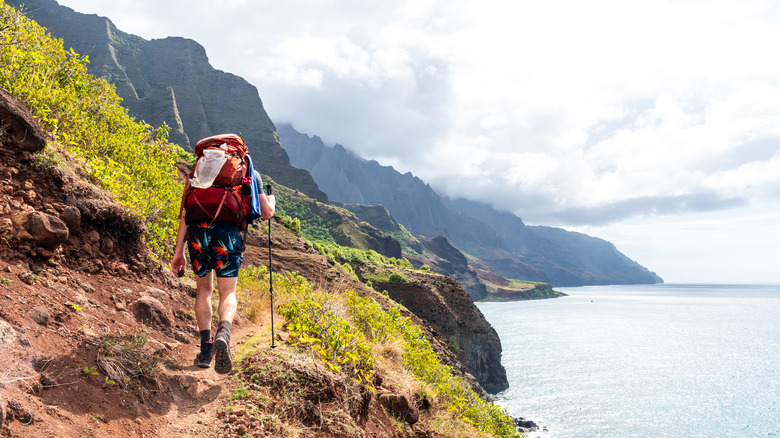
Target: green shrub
point(312, 226)
point(315, 323)
point(254, 289)
point(292, 224)
point(130, 159)
point(425, 268)
point(347, 267)
point(346, 254)
point(396, 277)
point(340, 330)
point(401, 263)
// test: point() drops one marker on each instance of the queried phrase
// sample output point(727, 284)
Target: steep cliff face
point(443, 304)
point(453, 263)
point(170, 80)
point(500, 239)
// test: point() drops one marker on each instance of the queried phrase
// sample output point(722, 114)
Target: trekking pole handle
point(268, 189)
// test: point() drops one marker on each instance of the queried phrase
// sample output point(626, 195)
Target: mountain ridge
point(169, 80)
point(500, 239)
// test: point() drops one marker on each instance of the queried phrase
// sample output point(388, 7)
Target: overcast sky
point(652, 124)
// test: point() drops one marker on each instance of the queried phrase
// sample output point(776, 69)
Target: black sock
point(205, 341)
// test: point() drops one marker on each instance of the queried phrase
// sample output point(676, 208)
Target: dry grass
point(304, 398)
point(125, 363)
point(444, 424)
point(387, 359)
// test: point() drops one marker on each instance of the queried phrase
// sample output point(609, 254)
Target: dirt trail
point(202, 395)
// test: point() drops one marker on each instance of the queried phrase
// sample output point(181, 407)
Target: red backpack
point(220, 199)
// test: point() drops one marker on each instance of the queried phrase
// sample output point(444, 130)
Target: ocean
point(676, 360)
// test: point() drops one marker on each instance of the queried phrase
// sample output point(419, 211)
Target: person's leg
point(203, 312)
point(227, 310)
point(228, 241)
point(227, 298)
point(203, 315)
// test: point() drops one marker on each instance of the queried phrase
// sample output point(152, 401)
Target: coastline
point(521, 292)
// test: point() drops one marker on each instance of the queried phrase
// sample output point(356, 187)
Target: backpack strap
point(216, 215)
point(184, 197)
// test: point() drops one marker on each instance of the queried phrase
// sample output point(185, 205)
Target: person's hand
point(178, 262)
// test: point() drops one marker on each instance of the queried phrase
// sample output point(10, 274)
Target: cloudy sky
point(652, 124)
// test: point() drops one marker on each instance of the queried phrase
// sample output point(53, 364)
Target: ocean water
point(644, 361)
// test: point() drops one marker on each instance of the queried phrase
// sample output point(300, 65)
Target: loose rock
point(150, 311)
point(27, 277)
point(157, 293)
point(46, 230)
point(72, 218)
point(7, 333)
point(39, 315)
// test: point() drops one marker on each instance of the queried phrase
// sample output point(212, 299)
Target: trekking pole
point(270, 273)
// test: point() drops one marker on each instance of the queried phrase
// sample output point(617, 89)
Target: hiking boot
point(223, 360)
point(203, 360)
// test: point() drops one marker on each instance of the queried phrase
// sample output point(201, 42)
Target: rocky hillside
point(450, 312)
point(500, 239)
point(170, 80)
point(437, 253)
point(98, 337)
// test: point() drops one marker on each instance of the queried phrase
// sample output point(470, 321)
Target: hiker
point(215, 243)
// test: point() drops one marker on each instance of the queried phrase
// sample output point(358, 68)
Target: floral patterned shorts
point(217, 246)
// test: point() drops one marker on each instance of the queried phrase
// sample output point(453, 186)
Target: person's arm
point(267, 202)
point(178, 262)
point(267, 206)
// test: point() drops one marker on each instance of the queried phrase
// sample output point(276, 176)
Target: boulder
point(525, 425)
point(46, 230)
point(72, 218)
point(400, 407)
point(19, 124)
point(151, 311)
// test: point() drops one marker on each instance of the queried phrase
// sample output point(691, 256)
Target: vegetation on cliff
point(83, 113)
point(356, 336)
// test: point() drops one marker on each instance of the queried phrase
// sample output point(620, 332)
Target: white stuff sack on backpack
point(207, 168)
